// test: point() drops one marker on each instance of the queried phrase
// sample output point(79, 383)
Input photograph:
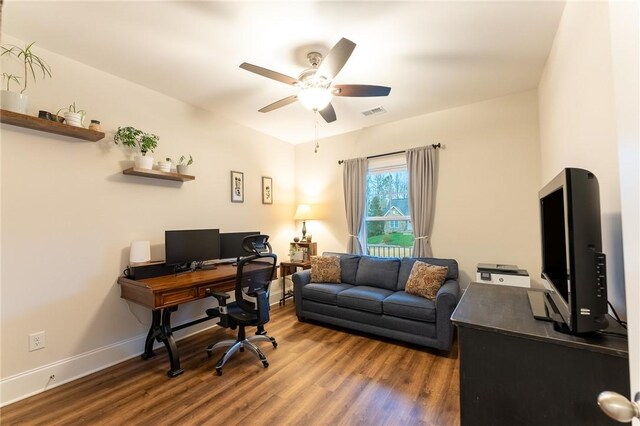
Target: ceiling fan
point(315, 83)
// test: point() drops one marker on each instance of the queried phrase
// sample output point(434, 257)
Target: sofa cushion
point(404, 305)
point(425, 280)
point(378, 272)
point(348, 266)
point(325, 269)
point(324, 292)
point(363, 298)
point(406, 265)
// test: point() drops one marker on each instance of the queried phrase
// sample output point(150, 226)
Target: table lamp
point(303, 213)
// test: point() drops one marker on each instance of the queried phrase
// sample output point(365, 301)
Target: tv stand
point(538, 305)
point(515, 370)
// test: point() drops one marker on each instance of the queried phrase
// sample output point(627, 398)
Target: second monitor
point(231, 244)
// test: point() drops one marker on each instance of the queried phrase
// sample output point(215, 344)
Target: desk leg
point(283, 286)
point(170, 343)
point(155, 331)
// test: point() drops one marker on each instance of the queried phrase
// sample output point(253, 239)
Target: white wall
point(487, 202)
point(578, 124)
point(69, 214)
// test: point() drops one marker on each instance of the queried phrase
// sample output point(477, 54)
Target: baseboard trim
point(28, 383)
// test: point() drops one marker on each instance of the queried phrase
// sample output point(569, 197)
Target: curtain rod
point(435, 145)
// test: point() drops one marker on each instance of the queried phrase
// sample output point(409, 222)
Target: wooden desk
point(286, 269)
point(164, 294)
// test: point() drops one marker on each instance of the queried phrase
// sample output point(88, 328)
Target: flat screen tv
point(184, 247)
point(231, 244)
point(572, 260)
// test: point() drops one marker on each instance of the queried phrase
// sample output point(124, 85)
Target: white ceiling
point(433, 55)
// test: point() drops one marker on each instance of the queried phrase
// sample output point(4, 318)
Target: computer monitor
point(184, 247)
point(231, 244)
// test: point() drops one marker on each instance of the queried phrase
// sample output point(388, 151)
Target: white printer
point(493, 273)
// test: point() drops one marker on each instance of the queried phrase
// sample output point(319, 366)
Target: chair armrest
point(221, 310)
point(222, 297)
point(262, 303)
point(446, 301)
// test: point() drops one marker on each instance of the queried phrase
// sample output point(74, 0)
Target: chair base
point(236, 344)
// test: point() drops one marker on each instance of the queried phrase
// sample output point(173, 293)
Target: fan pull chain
point(315, 151)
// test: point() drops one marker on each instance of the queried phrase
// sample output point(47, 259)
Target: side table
point(286, 269)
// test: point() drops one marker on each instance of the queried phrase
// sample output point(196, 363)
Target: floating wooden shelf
point(157, 174)
point(36, 123)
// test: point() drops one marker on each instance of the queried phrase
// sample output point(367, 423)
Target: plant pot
point(143, 162)
point(73, 119)
point(164, 166)
point(15, 102)
point(183, 169)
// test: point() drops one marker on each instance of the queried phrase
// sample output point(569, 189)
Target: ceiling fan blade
point(336, 58)
point(360, 90)
point(278, 104)
point(328, 113)
point(269, 74)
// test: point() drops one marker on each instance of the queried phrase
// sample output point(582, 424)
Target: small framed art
point(267, 190)
point(237, 187)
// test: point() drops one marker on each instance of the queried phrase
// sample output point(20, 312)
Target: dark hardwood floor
point(318, 375)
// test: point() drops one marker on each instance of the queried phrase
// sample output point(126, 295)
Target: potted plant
point(145, 142)
point(296, 254)
point(165, 166)
point(30, 64)
point(183, 165)
point(72, 115)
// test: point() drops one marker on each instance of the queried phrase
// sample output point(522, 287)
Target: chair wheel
point(275, 344)
point(265, 363)
point(219, 371)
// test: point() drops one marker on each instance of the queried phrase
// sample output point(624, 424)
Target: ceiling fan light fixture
point(314, 98)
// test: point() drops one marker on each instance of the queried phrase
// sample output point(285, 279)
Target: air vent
point(374, 111)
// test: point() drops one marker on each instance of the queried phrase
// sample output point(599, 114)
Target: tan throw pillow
point(425, 280)
point(325, 269)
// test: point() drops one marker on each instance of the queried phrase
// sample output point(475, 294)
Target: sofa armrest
point(300, 279)
point(446, 301)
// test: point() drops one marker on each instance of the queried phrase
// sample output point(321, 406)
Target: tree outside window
point(388, 222)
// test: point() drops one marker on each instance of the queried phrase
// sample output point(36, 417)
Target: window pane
point(388, 224)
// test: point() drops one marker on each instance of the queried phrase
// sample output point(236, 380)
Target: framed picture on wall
point(237, 187)
point(267, 190)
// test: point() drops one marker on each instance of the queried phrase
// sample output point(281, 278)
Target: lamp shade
point(303, 212)
point(314, 98)
point(140, 252)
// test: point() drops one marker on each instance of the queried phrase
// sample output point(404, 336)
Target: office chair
point(251, 307)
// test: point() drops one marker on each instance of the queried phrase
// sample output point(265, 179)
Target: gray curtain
point(355, 200)
point(422, 164)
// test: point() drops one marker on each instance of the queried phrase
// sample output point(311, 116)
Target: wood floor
point(318, 375)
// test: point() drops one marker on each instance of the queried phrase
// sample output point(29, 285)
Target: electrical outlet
point(36, 341)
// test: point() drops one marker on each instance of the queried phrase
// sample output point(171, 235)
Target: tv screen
point(231, 244)
point(572, 260)
point(554, 241)
point(194, 245)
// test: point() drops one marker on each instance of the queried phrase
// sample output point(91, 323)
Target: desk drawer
point(177, 297)
point(220, 287)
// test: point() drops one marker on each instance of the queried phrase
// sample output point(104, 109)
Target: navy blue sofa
point(371, 299)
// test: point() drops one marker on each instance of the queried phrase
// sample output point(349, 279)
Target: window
point(387, 220)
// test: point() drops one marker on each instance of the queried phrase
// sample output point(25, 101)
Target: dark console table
point(516, 370)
